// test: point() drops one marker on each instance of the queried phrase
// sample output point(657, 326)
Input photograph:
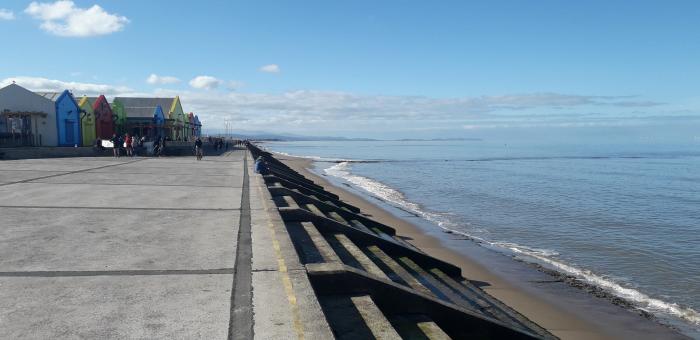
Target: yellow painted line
point(287, 282)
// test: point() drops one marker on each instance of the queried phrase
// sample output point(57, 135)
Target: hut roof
point(53, 96)
point(144, 107)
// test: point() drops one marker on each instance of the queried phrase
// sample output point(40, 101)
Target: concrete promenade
point(118, 248)
point(174, 248)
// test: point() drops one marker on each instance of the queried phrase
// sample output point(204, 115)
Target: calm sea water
point(625, 217)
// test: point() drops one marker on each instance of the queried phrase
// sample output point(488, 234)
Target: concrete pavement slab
point(105, 239)
point(122, 196)
point(192, 179)
point(10, 176)
point(115, 307)
point(183, 170)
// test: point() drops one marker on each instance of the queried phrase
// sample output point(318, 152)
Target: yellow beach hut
point(177, 115)
point(87, 120)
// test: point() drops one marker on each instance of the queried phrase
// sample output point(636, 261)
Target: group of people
point(128, 143)
point(132, 145)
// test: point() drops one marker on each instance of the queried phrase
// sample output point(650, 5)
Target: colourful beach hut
point(197, 127)
point(145, 116)
point(176, 117)
point(104, 118)
point(67, 117)
point(120, 116)
point(26, 118)
point(190, 130)
point(87, 120)
point(158, 121)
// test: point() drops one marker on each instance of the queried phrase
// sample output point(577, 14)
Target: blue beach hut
point(158, 121)
point(67, 117)
point(197, 126)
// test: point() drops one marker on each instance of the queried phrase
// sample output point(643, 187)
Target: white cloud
point(234, 85)
point(78, 89)
point(64, 19)
point(205, 82)
point(308, 112)
point(6, 14)
point(272, 68)
point(156, 79)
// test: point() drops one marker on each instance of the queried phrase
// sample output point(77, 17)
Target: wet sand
point(567, 312)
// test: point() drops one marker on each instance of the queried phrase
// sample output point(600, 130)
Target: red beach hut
point(104, 121)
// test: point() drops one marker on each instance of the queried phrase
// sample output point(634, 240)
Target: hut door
point(70, 132)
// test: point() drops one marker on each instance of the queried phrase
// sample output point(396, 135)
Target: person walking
point(115, 144)
point(129, 145)
point(198, 149)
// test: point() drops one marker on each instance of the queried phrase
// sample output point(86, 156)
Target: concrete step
point(356, 317)
point(438, 288)
point(418, 327)
point(489, 304)
point(395, 271)
point(334, 215)
point(306, 248)
point(285, 201)
point(314, 209)
point(367, 264)
point(375, 320)
point(326, 251)
point(357, 224)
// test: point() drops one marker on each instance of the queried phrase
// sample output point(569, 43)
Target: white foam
point(382, 191)
point(316, 158)
point(544, 256)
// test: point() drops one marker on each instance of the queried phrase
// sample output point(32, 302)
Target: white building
point(26, 118)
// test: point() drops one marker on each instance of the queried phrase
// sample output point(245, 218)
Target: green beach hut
point(119, 116)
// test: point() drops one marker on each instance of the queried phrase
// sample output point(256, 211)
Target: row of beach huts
point(30, 118)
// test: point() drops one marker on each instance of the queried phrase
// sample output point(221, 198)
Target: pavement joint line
point(23, 170)
point(145, 272)
point(143, 185)
point(168, 173)
point(116, 208)
point(70, 172)
point(241, 316)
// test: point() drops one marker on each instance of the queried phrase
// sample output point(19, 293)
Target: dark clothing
point(198, 143)
point(260, 167)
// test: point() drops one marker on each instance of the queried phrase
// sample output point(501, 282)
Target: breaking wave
point(544, 257)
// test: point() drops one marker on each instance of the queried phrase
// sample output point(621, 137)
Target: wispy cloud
point(64, 19)
point(6, 14)
point(44, 84)
point(271, 68)
point(154, 79)
point(205, 82)
point(340, 112)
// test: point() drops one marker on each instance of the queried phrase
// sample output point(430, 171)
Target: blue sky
point(374, 68)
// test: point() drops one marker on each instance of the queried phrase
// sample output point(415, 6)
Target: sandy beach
point(567, 312)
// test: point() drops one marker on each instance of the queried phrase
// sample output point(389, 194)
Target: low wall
point(171, 149)
point(50, 152)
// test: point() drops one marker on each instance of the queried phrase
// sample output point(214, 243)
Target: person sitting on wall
point(260, 166)
point(97, 145)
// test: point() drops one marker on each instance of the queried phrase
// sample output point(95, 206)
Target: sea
point(623, 216)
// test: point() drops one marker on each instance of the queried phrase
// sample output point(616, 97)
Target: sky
point(378, 69)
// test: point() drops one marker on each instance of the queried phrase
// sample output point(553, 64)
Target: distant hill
point(289, 137)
